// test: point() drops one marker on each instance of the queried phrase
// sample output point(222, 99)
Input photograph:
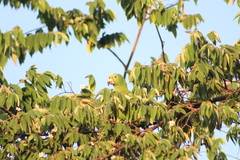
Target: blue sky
point(73, 62)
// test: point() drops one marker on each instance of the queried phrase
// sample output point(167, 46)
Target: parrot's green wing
point(118, 82)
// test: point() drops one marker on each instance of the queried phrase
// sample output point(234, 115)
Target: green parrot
point(118, 82)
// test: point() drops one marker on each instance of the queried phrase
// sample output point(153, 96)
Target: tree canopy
point(172, 112)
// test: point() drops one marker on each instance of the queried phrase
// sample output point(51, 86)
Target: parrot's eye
point(115, 76)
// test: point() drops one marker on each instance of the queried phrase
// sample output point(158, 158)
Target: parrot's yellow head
point(113, 78)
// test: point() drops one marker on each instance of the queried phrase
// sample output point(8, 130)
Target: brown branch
point(186, 122)
point(162, 44)
point(135, 44)
point(135, 126)
point(117, 57)
point(87, 132)
point(35, 29)
point(151, 129)
point(216, 99)
point(70, 86)
point(111, 154)
point(194, 107)
point(7, 111)
point(133, 155)
point(140, 133)
point(143, 132)
point(213, 100)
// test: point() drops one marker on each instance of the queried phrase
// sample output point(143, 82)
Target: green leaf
point(42, 6)
point(3, 96)
point(56, 103)
point(148, 75)
point(137, 74)
point(208, 109)
point(213, 36)
point(175, 155)
point(108, 41)
point(191, 20)
point(153, 112)
point(237, 16)
point(23, 124)
point(87, 150)
point(31, 74)
point(10, 101)
point(7, 39)
point(91, 83)
point(118, 129)
point(3, 60)
point(62, 36)
point(171, 87)
point(59, 82)
point(143, 110)
point(125, 4)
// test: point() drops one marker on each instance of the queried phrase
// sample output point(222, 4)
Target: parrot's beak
point(110, 81)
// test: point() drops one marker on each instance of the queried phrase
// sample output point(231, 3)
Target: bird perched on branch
point(118, 82)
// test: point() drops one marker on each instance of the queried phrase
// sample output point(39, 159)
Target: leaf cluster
point(171, 112)
point(15, 44)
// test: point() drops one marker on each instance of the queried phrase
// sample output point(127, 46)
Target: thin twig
point(112, 153)
point(162, 44)
point(70, 86)
point(171, 5)
point(135, 45)
point(7, 111)
point(87, 132)
point(140, 133)
point(35, 29)
point(117, 57)
point(62, 93)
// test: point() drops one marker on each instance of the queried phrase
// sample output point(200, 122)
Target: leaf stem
point(34, 29)
point(117, 57)
point(162, 44)
point(70, 86)
point(7, 111)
